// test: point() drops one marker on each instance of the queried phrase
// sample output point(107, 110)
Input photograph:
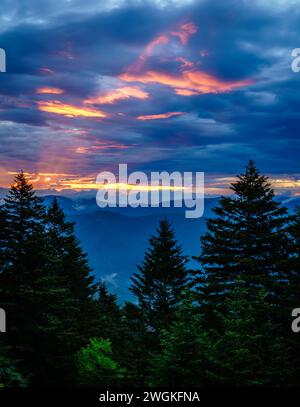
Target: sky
point(163, 85)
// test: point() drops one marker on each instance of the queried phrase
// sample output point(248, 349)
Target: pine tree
point(110, 316)
point(246, 351)
point(96, 366)
point(136, 342)
point(182, 359)
point(26, 277)
point(73, 272)
point(247, 239)
point(3, 240)
point(293, 292)
point(9, 374)
point(161, 279)
point(41, 301)
point(294, 264)
point(249, 349)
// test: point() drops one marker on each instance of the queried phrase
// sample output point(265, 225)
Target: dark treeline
point(226, 323)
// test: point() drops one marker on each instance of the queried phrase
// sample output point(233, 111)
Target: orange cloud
point(159, 116)
point(184, 32)
point(186, 92)
point(185, 63)
point(190, 81)
point(47, 90)
point(193, 81)
point(101, 146)
point(160, 40)
point(67, 110)
point(118, 94)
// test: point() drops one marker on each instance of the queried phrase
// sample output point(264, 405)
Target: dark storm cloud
point(83, 50)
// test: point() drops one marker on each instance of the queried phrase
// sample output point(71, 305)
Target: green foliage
point(249, 350)
point(247, 239)
point(96, 366)
point(9, 374)
point(45, 287)
point(182, 359)
point(232, 328)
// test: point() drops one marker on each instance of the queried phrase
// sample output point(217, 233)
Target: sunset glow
point(67, 110)
point(52, 91)
point(190, 83)
point(159, 116)
point(118, 94)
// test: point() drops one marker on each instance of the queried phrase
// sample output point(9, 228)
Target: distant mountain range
point(115, 239)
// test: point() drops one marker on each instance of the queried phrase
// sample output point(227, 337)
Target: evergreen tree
point(249, 349)
point(293, 292)
point(294, 264)
point(110, 316)
point(73, 272)
point(27, 279)
point(136, 342)
point(246, 351)
point(9, 374)
point(3, 240)
point(96, 366)
point(161, 279)
point(247, 239)
point(46, 308)
point(182, 359)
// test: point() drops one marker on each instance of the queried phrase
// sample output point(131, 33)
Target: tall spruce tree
point(137, 342)
point(3, 240)
point(249, 350)
point(160, 282)
point(294, 263)
point(73, 272)
point(46, 287)
point(247, 239)
point(109, 316)
point(183, 355)
point(293, 292)
point(30, 294)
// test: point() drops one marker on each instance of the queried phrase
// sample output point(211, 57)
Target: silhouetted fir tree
point(294, 263)
point(161, 278)
point(249, 349)
point(137, 343)
point(9, 374)
point(111, 323)
point(293, 292)
point(26, 278)
point(246, 351)
point(183, 355)
point(107, 302)
point(73, 272)
point(3, 240)
point(247, 239)
point(109, 315)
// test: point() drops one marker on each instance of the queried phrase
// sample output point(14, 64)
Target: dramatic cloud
point(162, 85)
point(118, 94)
point(69, 110)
